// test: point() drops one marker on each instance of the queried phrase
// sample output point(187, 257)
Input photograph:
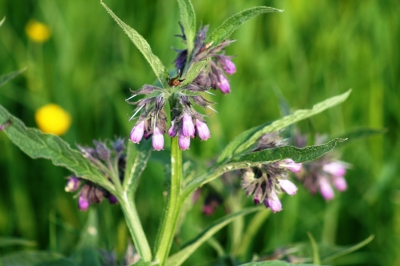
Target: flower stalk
point(173, 206)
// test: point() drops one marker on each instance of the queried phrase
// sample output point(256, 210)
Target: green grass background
point(312, 51)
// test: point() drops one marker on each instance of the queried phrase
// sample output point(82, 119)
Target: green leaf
point(136, 162)
point(274, 263)
point(12, 241)
point(361, 133)
point(296, 154)
point(9, 76)
point(248, 138)
point(194, 71)
point(36, 258)
point(234, 22)
point(143, 46)
point(188, 20)
point(179, 257)
point(38, 145)
point(262, 157)
point(2, 21)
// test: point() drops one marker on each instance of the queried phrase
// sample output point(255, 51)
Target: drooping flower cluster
point(103, 157)
point(212, 76)
point(266, 181)
point(323, 173)
point(186, 122)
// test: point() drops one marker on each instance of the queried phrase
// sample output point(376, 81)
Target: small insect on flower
point(175, 82)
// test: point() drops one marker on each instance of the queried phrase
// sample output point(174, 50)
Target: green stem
point(135, 227)
point(173, 206)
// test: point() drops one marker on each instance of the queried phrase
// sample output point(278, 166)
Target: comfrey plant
point(112, 170)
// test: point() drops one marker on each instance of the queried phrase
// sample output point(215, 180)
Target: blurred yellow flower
point(51, 118)
point(37, 31)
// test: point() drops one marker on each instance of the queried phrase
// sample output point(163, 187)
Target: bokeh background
point(312, 51)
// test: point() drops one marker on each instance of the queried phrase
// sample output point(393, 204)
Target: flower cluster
point(105, 158)
point(321, 174)
point(212, 76)
point(186, 122)
point(266, 181)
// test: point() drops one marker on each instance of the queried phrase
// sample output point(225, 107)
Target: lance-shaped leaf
point(136, 162)
point(9, 76)
point(143, 46)
point(298, 155)
point(194, 71)
point(38, 145)
point(188, 20)
point(234, 22)
point(263, 157)
point(248, 138)
point(178, 258)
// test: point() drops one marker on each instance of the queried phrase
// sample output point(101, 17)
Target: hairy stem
point(135, 227)
point(173, 206)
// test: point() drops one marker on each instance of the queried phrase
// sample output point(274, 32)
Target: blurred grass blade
point(178, 258)
point(224, 31)
point(23, 258)
point(314, 246)
point(361, 133)
point(348, 250)
point(144, 47)
point(266, 156)
point(298, 155)
point(2, 21)
point(252, 229)
point(194, 71)
point(274, 263)
point(38, 145)
point(136, 162)
point(188, 20)
point(9, 76)
point(13, 241)
point(248, 138)
point(87, 248)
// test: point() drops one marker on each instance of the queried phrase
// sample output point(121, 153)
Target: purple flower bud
point(208, 209)
point(72, 184)
point(223, 84)
point(172, 130)
point(273, 202)
point(335, 168)
point(184, 142)
point(291, 165)
point(340, 183)
point(112, 199)
point(83, 201)
point(287, 186)
point(137, 132)
point(228, 66)
point(83, 204)
point(202, 129)
point(187, 126)
point(326, 189)
point(158, 139)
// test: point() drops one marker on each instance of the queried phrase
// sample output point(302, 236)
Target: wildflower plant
point(112, 170)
